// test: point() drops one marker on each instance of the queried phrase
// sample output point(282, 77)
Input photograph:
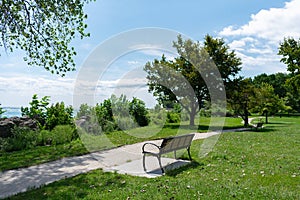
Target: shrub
point(58, 114)
point(173, 117)
point(59, 135)
point(85, 110)
point(125, 123)
point(22, 138)
point(63, 134)
point(138, 110)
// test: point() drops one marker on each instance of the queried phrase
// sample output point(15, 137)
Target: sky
point(253, 28)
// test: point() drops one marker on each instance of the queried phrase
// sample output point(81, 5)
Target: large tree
point(240, 98)
point(227, 62)
point(289, 49)
point(43, 29)
point(278, 81)
point(184, 79)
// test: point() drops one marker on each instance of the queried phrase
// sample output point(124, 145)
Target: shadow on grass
point(192, 165)
point(201, 128)
point(262, 130)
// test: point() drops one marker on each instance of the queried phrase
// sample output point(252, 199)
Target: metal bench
point(258, 125)
point(170, 144)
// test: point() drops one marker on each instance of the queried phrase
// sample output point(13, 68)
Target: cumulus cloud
point(257, 41)
point(273, 24)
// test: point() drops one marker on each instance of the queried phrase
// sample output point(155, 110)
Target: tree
point(59, 114)
point(278, 82)
point(37, 109)
point(226, 61)
point(105, 116)
point(43, 29)
point(290, 51)
point(266, 101)
point(240, 98)
point(181, 80)
point(138, 110)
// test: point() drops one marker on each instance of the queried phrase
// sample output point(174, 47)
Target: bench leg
point(159, 161)
point(188, 149)
point(144, 165)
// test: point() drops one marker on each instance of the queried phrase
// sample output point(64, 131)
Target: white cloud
point(273, 24)
point(18, 90)
point(133, 62)
point(257, 41)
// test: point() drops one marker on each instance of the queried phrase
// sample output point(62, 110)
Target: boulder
point(7, 124)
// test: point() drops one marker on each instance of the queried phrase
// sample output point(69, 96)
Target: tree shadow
point(192, 165)
point(200, 128)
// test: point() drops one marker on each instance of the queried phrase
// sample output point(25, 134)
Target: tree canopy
point(240, 97)
point(184, 79)
point(289, 49)
point(43, 29)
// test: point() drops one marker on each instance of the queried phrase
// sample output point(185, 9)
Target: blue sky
point(253, 28)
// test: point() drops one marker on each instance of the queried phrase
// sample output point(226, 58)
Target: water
point(16, 112)
point(11, 112)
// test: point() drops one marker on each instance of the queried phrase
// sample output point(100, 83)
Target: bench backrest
point(259, 124)
point(175, 143)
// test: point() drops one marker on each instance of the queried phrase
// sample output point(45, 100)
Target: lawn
point(243, 165)
point(89, 143)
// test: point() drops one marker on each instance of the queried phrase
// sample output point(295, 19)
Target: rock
point(7, 124)
point(82, 121)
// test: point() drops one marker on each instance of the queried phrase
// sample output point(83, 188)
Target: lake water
point(16, 112)
point(11, 112)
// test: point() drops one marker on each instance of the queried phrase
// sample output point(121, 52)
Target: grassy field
point(243, 165)
point(90, 143)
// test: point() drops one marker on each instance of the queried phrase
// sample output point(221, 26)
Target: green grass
point(40, 154)
point(119, 138)
point(89, 143)
point(243, 165)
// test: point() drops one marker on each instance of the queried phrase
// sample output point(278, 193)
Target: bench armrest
point(152, 144)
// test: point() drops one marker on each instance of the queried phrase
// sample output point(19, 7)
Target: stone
point(7, 124)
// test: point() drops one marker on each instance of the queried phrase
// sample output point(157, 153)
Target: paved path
point(125, 160)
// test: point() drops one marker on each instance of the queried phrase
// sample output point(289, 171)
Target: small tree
point(58, 114)
point(105, 116)
point(266, 101)
point(37, 109)
point(138, 110)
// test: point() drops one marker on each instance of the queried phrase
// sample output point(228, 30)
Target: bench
point(170, 144)
point(258, 125)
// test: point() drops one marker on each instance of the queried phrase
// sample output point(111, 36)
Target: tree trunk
point(246, 113)
point(192, 117)
point(246, 120)
point(267, 117)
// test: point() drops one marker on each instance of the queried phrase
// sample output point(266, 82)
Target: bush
point(59, 135)
point(125, 123)
point(22, 138)
point(58, 114)
point(138, 110)
point(173, 117)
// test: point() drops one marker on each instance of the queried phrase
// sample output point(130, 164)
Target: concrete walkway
point(124, 160)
